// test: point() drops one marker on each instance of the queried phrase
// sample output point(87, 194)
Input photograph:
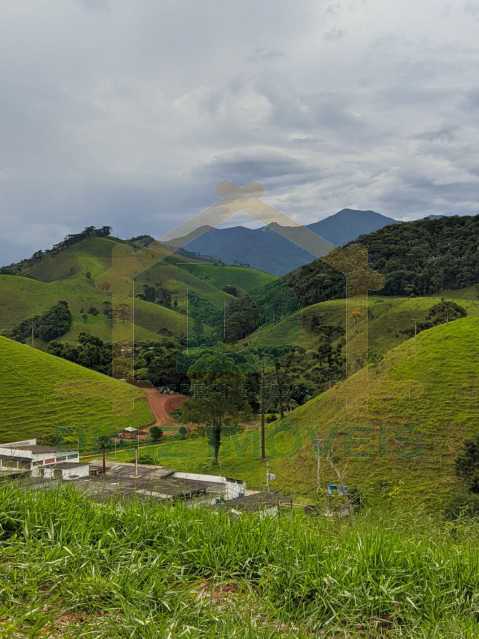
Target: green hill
point(96, 271)
point(39, 392)
point(423, 257)
point(395, 427)
point(390, 320)
point(243, 278)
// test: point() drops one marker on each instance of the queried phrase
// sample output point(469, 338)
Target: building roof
point(35, 448)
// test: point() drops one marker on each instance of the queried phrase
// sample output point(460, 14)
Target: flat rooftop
point(146, 481)
point(34, 448)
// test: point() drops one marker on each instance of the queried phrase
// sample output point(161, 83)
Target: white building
point(27, 455)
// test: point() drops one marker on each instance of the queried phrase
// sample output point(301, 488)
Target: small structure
point(265, 503)
point(337, 489)
point(133, 433)
point(147, 481)
point(28, 456)
point(66, 471)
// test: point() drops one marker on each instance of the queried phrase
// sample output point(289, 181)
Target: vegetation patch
point(143, 570)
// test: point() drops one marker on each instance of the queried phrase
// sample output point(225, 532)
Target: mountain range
point(279, 249)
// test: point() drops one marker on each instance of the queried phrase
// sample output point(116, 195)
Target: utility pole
point(263, 433)
point(318, 464)
point(187, 319)
point(133, 333)
point(267, 478)
point(224, 320)
point(137, 452)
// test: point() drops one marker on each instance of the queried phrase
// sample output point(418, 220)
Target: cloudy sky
point(129, 113)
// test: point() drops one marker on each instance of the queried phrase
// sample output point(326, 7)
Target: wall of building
point(80, 472)
point(233, 489)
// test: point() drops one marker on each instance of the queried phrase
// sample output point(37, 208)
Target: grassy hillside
point(388, 318)
point(99, 270)
point(22, 298)
point(395, 427)
point(399, 424)
point(245, 279)
point(39, 392)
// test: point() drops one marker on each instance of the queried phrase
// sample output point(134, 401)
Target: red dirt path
point(162, 405)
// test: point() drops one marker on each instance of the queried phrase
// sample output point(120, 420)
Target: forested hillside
point(416, 258)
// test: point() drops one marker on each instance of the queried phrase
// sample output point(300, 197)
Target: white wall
point(79, 472)
point(232, 489)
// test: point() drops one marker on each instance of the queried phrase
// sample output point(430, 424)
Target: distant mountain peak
point(278, 249)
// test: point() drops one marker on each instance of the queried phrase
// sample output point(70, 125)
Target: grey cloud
point(129, 114)
point(247, 166)
point(94, 4)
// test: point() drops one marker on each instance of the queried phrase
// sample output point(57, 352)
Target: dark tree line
point(90, 352)
point(55, 323)
point(442, 313)
point(70, 240)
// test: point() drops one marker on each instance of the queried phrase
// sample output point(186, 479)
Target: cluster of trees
point(242, 318)
point(426, 256)
point(70, 240)
point(90, 352)
point(53, 324)
point(228, 386)
point(158, 295)
point(162, 364)
point(442, 313)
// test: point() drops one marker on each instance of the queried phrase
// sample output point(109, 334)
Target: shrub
point(156, 433)
point(182, 432)
point(467, 465)
point(463, 505)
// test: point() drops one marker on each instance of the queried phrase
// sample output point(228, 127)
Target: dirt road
point(162, 405)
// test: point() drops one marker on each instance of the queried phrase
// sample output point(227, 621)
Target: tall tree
point(217, 394)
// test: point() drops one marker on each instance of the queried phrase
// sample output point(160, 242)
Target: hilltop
point(348, 224)
point(94, 272)
point(39, 392)
point(279, 249)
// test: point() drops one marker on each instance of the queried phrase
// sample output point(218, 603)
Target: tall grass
point(147, 570)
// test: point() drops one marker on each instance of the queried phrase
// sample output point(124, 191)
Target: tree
point(104, 443)
point(182, 432)
point(446, 311)
point(467, 465)
point(242, 318)
point(156, 433)
point(216, 381)
point(442, 313)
